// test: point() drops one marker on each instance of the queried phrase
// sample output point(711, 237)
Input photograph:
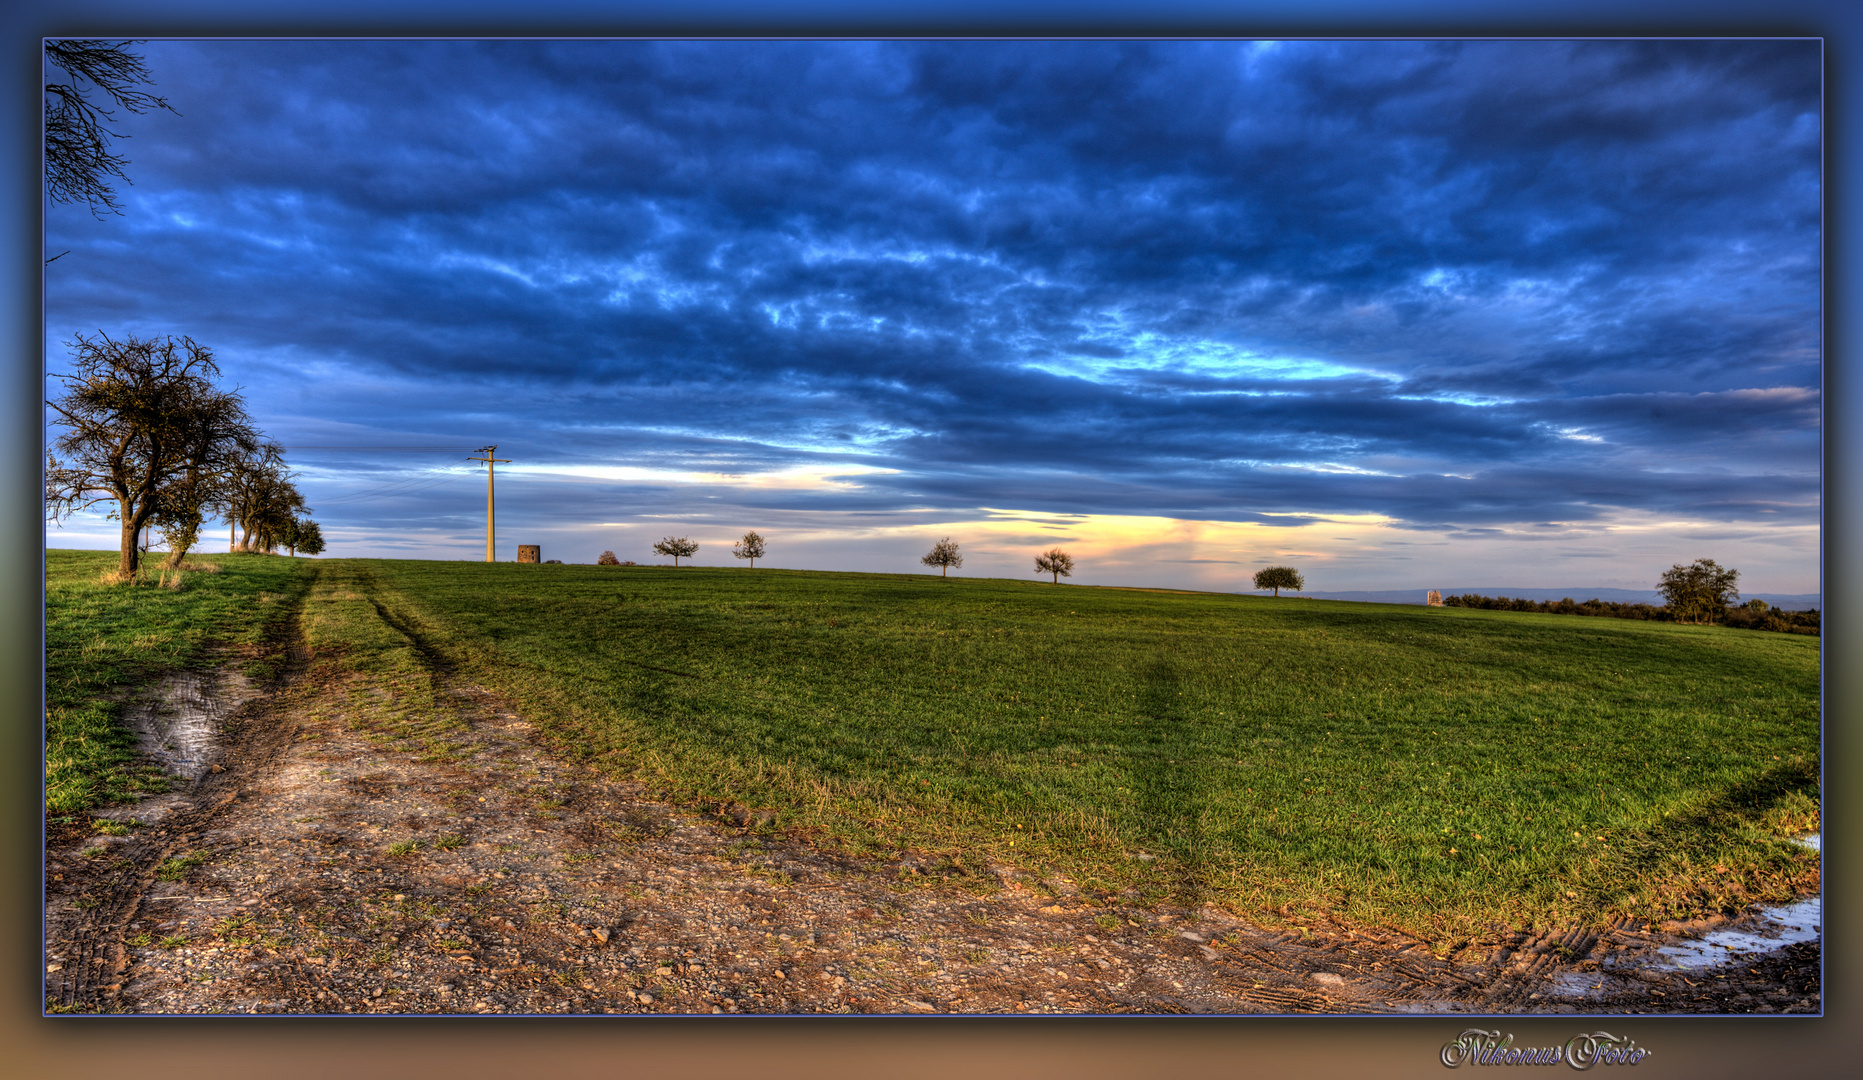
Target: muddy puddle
point(1772, 929)
point(1766, 931)
point(179, 720)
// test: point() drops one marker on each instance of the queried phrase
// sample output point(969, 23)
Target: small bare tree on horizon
point(751, 547)
point(1056, 562)
point(676, 546)
point(944, 555)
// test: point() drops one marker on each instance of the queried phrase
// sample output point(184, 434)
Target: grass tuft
point(176, 869)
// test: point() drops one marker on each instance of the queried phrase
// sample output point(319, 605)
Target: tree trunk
point(129, 558)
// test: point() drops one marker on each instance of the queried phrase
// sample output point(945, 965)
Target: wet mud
point(179, 720)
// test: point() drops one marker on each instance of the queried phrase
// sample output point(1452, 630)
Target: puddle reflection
point(1778, 927)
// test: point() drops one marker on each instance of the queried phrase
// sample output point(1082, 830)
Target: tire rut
point(437, 665)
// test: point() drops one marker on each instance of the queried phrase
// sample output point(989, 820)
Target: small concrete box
point(530, 553)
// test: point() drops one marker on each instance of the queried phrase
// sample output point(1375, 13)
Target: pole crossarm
point(491, 517)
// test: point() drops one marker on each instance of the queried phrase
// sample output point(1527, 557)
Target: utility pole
point(491, 517)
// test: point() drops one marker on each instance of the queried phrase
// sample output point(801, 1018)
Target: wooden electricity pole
point(491, 516)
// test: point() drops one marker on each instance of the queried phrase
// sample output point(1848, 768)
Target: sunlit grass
point(1434, 769)
point(102, 640)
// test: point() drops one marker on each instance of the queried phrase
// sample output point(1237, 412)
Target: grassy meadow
point(1430, 769)
point(1436, 770)
point(103, 639)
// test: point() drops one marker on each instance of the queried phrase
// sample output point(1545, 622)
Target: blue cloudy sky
point(1405, 314)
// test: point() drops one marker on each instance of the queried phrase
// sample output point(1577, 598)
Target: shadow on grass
point(1172, 799)
point(1700, 862)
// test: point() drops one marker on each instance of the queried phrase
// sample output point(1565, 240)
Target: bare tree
point(141, 417)
point(1278, 578)
point(260, 501)
point(243, 488)
point(944, 555)
point(751, 547)
point(608, 559)
point(179, 514)
point(182, 506)
point(676, 546)
point(78, 161)
point(273, 514)
point(1056, 562)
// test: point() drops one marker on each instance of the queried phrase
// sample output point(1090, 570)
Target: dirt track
point(313, 870)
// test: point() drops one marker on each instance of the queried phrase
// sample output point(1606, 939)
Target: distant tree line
point(1756, 614)
point(1753, 615)
point(751, 547)
point(945, 555)
point(1702, 592)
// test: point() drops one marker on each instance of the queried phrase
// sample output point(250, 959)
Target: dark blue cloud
point(1459, 283)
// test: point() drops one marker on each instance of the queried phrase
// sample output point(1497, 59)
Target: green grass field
point(1431, 769)
point(102, 639)
point(1435, 770)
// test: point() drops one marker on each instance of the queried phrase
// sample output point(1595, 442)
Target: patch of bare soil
point(312, 870)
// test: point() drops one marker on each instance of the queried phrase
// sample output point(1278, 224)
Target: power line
point(420, 482)
point(402, 487)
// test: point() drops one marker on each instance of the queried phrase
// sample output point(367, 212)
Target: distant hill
point(1788, 601)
